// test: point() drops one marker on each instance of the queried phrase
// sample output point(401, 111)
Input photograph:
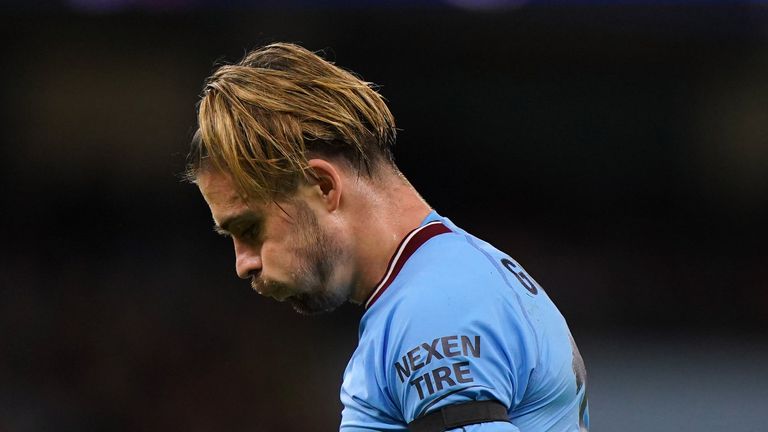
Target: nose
point(247, 259)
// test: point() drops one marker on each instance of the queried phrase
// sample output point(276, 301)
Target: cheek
point(279, 260)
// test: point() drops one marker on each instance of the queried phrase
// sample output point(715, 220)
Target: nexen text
point(441, 377)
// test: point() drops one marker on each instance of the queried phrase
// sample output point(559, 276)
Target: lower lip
point(277, 295)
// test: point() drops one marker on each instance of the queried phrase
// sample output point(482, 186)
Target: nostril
point(247, 274)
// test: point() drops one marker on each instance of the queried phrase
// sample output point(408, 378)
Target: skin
point(328, 243)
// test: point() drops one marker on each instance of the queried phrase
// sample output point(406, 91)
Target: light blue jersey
point(456, 320)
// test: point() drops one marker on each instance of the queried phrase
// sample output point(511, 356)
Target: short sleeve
point(488, 427)
point(366, 405)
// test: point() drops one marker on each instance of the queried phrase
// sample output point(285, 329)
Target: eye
point(250, 232)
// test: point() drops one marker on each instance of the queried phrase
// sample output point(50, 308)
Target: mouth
point(270, 289)
point(279, 296)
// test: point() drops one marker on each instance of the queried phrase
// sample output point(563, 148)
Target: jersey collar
point(407, 247)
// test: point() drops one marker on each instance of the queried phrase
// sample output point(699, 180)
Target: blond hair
point(260, 120)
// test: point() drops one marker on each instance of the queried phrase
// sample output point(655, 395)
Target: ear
point(328, 182)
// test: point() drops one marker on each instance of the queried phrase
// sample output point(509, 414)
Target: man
point(293, 156)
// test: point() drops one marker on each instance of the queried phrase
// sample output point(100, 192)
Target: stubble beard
point(317, 254)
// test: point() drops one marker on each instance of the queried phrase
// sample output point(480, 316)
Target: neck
point(392, 209)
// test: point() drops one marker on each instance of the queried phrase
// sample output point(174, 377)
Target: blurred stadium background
point(619, 150)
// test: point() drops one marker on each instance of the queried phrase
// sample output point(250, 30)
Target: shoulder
point(450, 274)
point(452, 288)
point(451, 329)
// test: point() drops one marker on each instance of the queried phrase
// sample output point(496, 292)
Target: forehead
point(223, 197)
point(229, 207)
point(218, 188)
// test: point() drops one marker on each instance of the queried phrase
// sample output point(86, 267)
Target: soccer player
point(293, 156)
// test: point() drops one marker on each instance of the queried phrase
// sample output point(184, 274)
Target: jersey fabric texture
point(456, 320)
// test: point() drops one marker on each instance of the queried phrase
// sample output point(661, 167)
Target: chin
point(315, 304)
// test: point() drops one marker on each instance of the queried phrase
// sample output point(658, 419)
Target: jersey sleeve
point(458, 336)
point(488, 427)
point(367, 407)
point(361, 416)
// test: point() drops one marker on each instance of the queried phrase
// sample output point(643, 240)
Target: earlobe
point(328, 181)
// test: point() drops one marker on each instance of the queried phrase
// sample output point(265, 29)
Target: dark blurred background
point(618, 150)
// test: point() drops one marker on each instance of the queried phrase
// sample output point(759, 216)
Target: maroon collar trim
point(407, 247)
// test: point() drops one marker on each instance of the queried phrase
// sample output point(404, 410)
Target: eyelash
point(251, 232)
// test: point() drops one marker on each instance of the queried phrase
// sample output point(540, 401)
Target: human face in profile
point(279, 246)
